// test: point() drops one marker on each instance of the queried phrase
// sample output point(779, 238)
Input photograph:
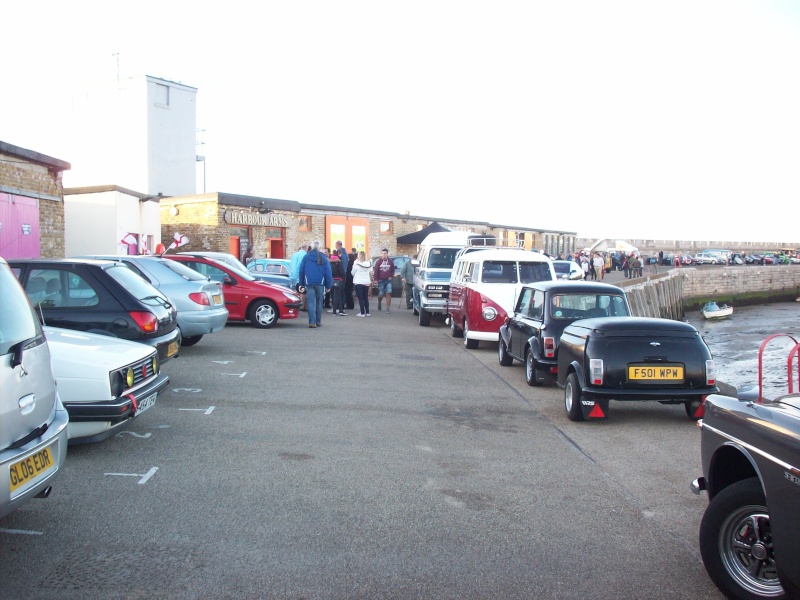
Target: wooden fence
point(659, 295)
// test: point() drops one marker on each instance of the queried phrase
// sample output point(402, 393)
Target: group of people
point(595, 265)
point(334, 279)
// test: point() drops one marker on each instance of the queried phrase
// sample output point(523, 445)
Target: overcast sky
point(629, 119)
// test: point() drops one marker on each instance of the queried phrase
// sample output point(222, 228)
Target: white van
point(484, 287)
point(33, 422)
point(437, 255)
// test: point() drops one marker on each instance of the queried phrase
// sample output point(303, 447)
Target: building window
point(386, 227)
point(304, 224)
point(162, 95)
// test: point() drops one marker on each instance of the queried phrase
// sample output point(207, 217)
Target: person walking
point(599, 266)
point(337, 290)
point(362, 282)
point(294, 273)
point(384, 271)
point(248, 255)
point(315, 275)
point(626, 266)
point(407, 277)
point(348, 281)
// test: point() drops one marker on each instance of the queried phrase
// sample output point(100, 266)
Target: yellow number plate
point(172, 349)
point(656, 373)
point(217, 299)
point(23, 471)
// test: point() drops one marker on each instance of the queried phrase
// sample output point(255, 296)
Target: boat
point(712, 310)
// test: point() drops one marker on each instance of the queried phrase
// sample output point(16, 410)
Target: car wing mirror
point(415, 262)
point(228, 280)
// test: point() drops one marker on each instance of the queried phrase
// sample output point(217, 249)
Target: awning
point(418, 236)
point(613, 246)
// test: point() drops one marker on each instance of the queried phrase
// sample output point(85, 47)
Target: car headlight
point(292, 297)
point(489, 313)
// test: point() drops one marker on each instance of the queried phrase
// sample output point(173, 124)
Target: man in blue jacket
point(315, 275)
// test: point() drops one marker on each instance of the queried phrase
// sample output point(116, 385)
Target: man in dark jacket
point(315, 275)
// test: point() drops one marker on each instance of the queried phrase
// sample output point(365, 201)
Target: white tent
point(613, 246)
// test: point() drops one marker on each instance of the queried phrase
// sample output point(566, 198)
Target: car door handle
point(27, 404)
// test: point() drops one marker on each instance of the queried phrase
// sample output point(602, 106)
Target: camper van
point(484, 287)
point(437, 255)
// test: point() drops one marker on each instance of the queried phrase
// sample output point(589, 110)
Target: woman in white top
point(362, 280)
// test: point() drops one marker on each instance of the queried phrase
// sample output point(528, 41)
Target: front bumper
point(95, 421)
point(433, 305)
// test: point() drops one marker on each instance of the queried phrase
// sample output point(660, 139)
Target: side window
point(524, 301)
point(215, 273)
point(531, 272)
point(537, 306)
point(58, 288)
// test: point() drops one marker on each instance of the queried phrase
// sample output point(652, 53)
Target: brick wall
point(201, 221)
point(33, 180)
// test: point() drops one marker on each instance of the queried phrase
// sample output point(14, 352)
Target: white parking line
point(143, 479)
point(235, 374)
point(205, 411)
point(19, 531)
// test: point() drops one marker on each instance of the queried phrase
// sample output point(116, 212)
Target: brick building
point(224, 222)
point(31, 203)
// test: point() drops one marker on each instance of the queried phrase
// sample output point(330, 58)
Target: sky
point(635, 119)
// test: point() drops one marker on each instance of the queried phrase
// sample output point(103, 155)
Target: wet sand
point(734, 343)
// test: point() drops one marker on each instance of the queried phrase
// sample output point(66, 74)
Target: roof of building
point(54, 164)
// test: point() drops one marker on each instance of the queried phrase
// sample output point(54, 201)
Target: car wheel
point(263, 314)
point(424, 317)
point(692, 407)
point(502, 353)
point(468, 343)
point(713, 262)
point(736, 543)
point(455, 331)
point(572, 398)
point(191, 340)
point(530, 368)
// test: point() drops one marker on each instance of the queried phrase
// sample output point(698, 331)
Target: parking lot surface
point(371, 458)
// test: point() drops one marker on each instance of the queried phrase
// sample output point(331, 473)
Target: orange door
point(233, 246)
point(276, 249)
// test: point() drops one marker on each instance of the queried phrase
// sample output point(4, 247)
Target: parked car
point(397, 282)
point(532, 333)
point(569, 269)
point(272, 266)
point(633, 358)
point(484, 287)
point(736, 259)
point(750, 532)
point(199, 302)
point(33, 422)
point(103, 381)
point(703, 258)
point(246, 298)
point(272, 270)
point(100, 296)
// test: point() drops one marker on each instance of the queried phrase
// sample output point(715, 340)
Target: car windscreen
point(128, 279)
point(561, 268)
point(182, 270)
point(571, 307)
point(238, 272)
point(17, 320)
point(442, 258)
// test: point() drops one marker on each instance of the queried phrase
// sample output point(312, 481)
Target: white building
point(137, 133)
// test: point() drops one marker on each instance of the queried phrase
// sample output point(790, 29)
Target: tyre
point(530, 368)
point(468, 343)
point(191, 340)
point(424, 318)
point(691, 407)
point(455, 331)
point(263, 314)
point(736, 543)
point(502, 354)
point(572, 398)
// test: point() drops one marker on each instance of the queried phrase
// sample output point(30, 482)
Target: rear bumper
point(657, 394)
point(433, 305)
point(202, 322)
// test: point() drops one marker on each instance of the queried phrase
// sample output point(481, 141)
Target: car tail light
point(200, 298)
point(596, 371)
point(146, 321)
point(711, 373)
point(549, 347)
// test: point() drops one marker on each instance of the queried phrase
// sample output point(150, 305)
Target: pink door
point(19, 226)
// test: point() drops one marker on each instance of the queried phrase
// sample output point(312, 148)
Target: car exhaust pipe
point(45, 492)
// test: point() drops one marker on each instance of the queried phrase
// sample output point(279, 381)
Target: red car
point(246, 298)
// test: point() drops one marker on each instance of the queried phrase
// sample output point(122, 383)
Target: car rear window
point(128, 279)
point(17, 321)
point(586, 306)
point(184, 271)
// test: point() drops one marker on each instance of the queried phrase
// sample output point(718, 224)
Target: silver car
point(200, 302)
point(33, 422)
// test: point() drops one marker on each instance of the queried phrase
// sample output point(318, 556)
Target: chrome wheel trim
point(745, 547)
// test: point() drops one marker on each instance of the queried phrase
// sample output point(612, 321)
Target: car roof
point(505, 254)
point(62, 261)
point(576, 287)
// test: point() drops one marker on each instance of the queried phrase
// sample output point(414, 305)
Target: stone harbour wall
point(740, 285)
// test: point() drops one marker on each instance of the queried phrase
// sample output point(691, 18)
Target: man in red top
point(384, 271)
